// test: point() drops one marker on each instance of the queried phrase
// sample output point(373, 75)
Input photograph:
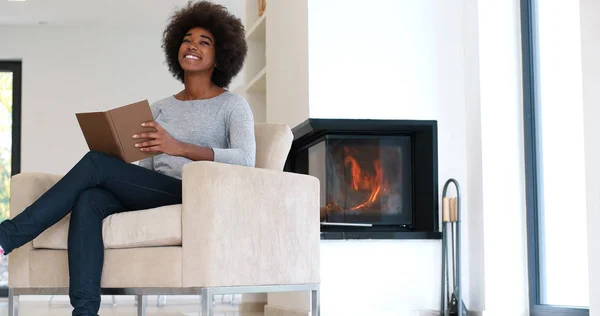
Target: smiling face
point(197, 51)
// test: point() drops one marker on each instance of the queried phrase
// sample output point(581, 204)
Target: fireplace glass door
point(364, 179)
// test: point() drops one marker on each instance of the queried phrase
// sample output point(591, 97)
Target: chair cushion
point(145, 228)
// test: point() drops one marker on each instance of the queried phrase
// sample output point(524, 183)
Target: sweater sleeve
point(241, 139)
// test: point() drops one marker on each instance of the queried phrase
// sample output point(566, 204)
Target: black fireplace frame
point(423, 133)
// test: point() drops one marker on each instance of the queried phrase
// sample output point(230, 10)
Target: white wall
point(287, 57)
point(383, 278)
point(474, 191)
point(379, 59)
point(68, 70)
point(391, 59)
point(503, 181)
point(458, 63)
point(590, 50)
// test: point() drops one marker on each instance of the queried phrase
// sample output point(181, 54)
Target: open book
point(110, 131)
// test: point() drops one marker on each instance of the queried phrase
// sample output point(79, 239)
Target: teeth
point(191, 56)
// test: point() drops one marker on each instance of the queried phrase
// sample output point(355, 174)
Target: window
point(555, 165)
point(10, 144)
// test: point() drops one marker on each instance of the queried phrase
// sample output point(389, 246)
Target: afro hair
point(230, 39)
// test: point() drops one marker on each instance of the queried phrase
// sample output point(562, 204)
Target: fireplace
point(378, 177)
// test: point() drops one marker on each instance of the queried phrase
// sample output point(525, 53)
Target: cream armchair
point(238, 230)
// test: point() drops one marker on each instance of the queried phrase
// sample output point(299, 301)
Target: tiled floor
point(36, 308)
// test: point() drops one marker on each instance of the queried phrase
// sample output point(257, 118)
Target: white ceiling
point(96, 12)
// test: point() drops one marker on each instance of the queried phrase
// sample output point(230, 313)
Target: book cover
point(110, 131)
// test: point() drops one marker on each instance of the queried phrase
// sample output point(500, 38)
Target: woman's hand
point(161, 141)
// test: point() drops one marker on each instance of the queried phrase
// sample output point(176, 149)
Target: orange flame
point(363, 180)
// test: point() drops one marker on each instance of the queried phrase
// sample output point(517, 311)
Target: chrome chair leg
point(315, 305)
point(207, 302)
point(13, 303)
point(141, 305)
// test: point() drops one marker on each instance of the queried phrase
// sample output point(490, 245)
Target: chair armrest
point(25, 188)
point(248, 226)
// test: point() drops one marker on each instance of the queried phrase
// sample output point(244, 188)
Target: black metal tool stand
point(452, 303)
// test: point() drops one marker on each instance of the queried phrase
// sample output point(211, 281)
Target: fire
point(365, 180)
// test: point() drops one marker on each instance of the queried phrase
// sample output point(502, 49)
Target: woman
point(205, 48)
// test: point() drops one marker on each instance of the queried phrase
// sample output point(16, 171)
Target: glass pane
point(562, 201)
point(369, 180)
point(6, 95)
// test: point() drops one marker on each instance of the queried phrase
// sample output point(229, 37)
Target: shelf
point(258, 31)
point(258, 82)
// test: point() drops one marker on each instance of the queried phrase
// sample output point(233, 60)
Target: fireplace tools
point(452, 303)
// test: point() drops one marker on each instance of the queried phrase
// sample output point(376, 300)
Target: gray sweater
point(223, 123)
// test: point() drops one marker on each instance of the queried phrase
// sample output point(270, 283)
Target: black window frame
point(16, 67)
point(530, 106)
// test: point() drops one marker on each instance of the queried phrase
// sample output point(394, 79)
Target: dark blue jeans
point(98, 186)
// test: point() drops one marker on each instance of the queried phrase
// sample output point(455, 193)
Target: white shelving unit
point(275, 77)
point(254, 73)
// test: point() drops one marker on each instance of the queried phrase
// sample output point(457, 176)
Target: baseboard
point(277, 311)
